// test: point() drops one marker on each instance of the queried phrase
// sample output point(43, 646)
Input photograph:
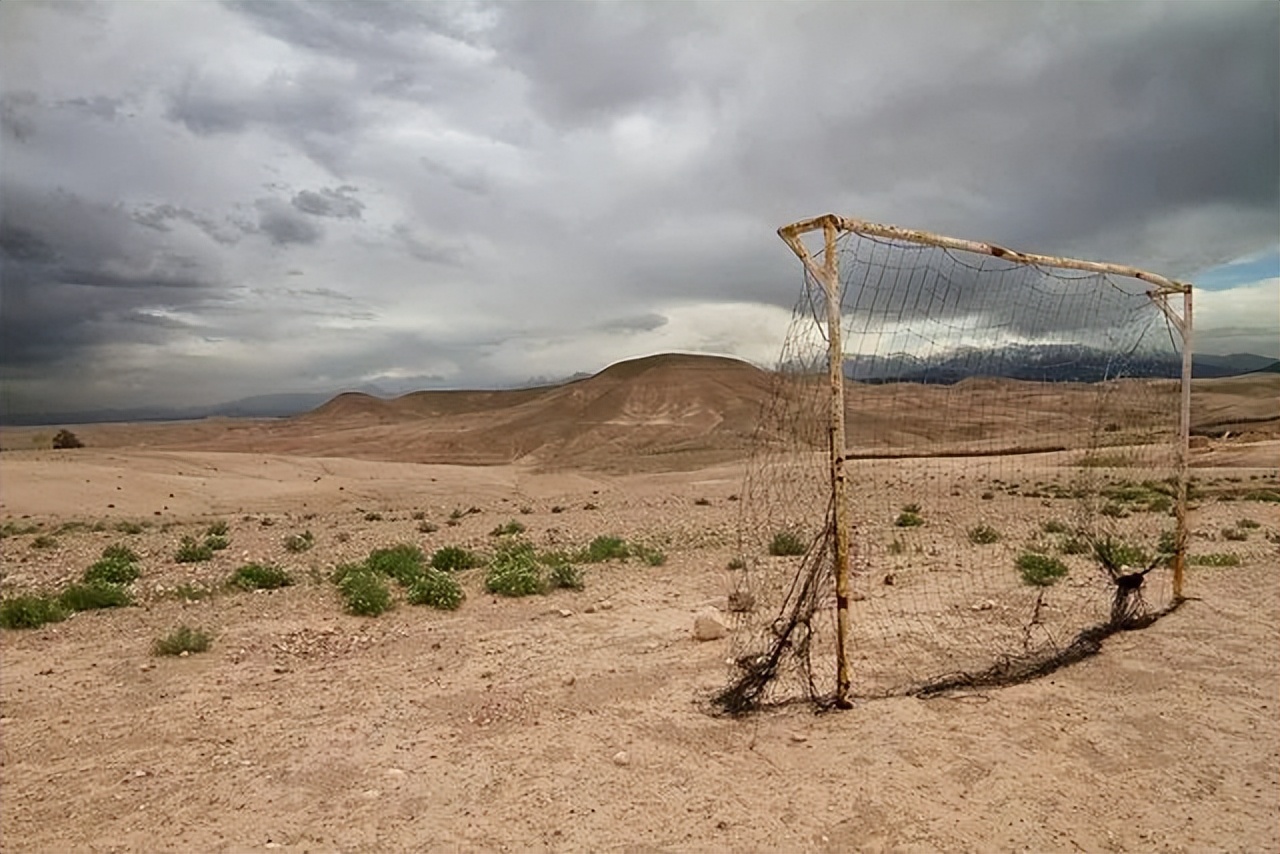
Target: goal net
point(1009, 488)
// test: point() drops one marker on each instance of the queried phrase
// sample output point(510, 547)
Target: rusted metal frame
point(1182, 535)
point(910, 235)
point(828, 275)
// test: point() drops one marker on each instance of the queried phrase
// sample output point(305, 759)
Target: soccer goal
point(972, 468)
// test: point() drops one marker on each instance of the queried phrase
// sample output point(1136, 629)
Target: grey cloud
point(427, 249)
point(98, 106)
point(160, 216)
point(338, 203)
point(284, 225)
point(636, 323)
point(15, 114)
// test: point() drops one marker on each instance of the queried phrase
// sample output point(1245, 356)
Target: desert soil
point(577, 720)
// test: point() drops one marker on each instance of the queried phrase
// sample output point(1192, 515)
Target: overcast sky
point(205, 201)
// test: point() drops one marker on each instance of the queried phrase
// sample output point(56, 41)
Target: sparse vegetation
point(1215, 559)
point(1040, 570)
point(605, 548)
point(1054, 526)
point(455, 559)
point(90, 597)
point(437, 589)
point(982, 535)
point(1073, 546)
point(364, 592)
point(1116, 554)
point(909, 517)
point(787, 544)
point(30, 612)
point(418, 515)
point(702, 502)
point(45, 541)
point(117, 566)
point(65, 439)
point(257, 576)
point(183, 639)
point(192, 551)
point(298, 543)
point(373, 517)
point(1265, 495)
point(18, 529)
point(217, 529)
point(566, 576)
point(404, 563)
point(1249, 524)
point(427, 527)
point(510, 529)
point(216, 542)
point(514, 571)
point(896, 547)
point(1235, 534)
point(737, 563)
point(650, 555)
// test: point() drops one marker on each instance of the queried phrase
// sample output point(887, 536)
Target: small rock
point(605, 605)
point(396, 773)
point(985, 605)
point(590, 609)
point(889, 579)
point(708, 626)
point(621, 758)
point(148, 666)
point(184, 654)
point(799, 737)
point(139, 773)
point(565, 612)
point(568, 680)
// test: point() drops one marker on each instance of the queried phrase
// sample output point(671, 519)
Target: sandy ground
point(575, 721)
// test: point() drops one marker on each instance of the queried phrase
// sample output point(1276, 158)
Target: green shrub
point(1054, 526)
point(437, 589)
point(182, 639)
point(427, 527)
point(1267, 495)
point(1114, 554)
point(1159, 504)
point(216, 542)
point(514, 571)
point(44, 541)
point(508, 530)
point(90, 597)
point(650, 555)
point(404, 562)
point(257, 576)
point(30, 612)
point(566, 576)
point(908, 519)
point(365, 593)
point(298, 543)
point(190, 551)
point(373, 517)
point(119, 551)
point(112, 570)
point(1235, 534)
point(737, 563)
point(1114, 510)
point(1248, 523)
point(982, 535)
point(454, 559)
point(1215, 559)
point(787, 544)
point(418, 515)
point(605, 548)
point(217, 529)
point(1168, 543)
point(1040, 570)
point(1074, 546)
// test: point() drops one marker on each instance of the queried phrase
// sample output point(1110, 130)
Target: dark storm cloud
point(338, 203)
point(77, 276)
point(284, 225)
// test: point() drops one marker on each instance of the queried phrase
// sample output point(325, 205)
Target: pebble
point(396, 773)
point(568, 680)
point(565, 612)
point(621, 758)
point(799, 737)
point(708, 626)
point(985, 605)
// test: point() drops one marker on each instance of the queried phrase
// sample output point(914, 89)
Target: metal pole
point(839, 491)
point(1184, 449)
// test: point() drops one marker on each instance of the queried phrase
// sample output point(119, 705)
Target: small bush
point(1159, 504)
point(44, 541)
point(216, 542)
point(30, 612)
point(1168, 543)
point(257, 576)
point(1266, 495)
point(373, 517)
point(525, 510)
point(1235, 534)
point(454, 559)
point(182, 639)
point(650, 555)
point(557, 509)
point(120, 552)
point(437, 589)
point(1114, 510)
point(111, 570)
point(909, 519)
point(565, 576)
point(1248, 524)
point(896, 547)
point(404, 562)
point(65, 439)
point(982, 535)
point(365, 593)
point(988, 496)
point(605, 548)
point(427, 527)
point(190, 551)
point(1040, 570)
point(299, 543)
point(911, 508)
point(1054, 526)
point(90, 597)
point(18, 529)
point(1115, 554)
point(1073, 546)
point(418, 515)
point(787, 544)
point(217, 529)
point(514, 571)
point(737, 563)
point(1215, 559)
point(702, 502)
point(508, 530)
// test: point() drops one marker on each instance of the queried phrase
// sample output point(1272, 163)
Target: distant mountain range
point(1047, 363)
point(1042, 363)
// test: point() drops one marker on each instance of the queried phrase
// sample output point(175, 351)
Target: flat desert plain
point(576, 720)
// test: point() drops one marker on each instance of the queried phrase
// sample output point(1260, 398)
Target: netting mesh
point(1013, 449)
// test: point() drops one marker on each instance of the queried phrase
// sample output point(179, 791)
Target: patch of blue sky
point(1242, 271)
